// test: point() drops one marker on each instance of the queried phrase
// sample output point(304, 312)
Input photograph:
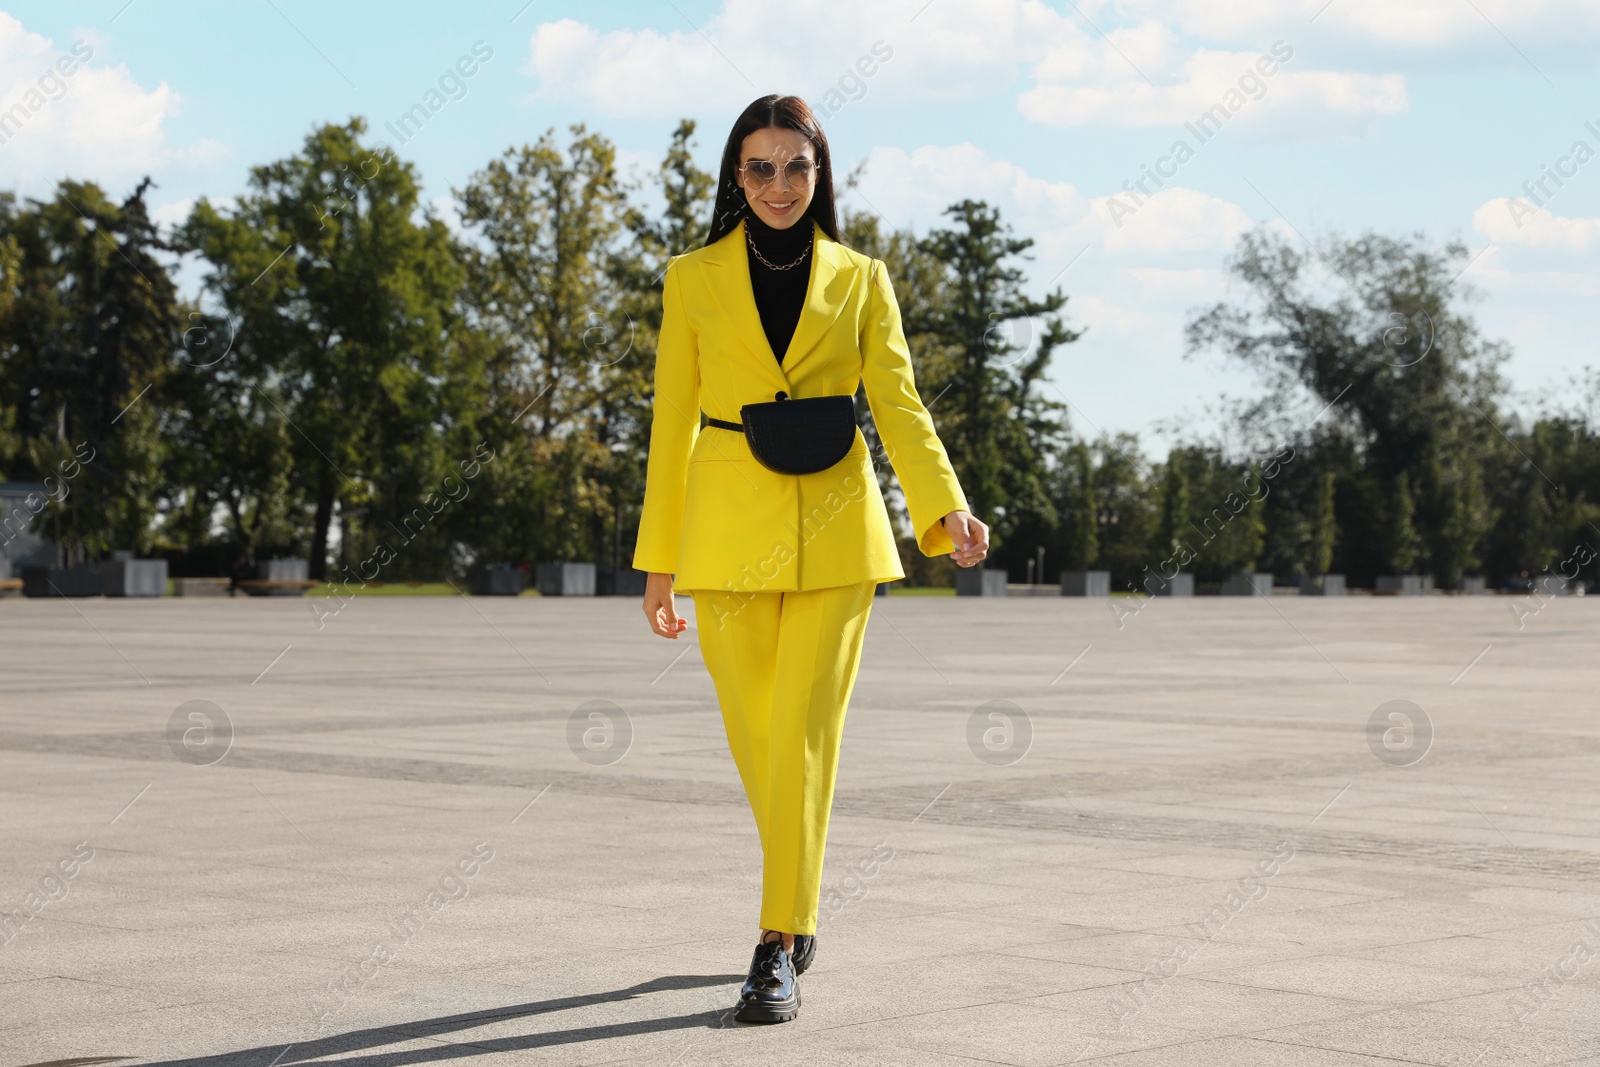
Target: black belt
point(725, 424)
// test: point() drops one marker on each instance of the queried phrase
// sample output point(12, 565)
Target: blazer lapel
point(832, 276)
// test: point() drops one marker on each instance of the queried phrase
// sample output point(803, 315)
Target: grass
point(445, 589)
point(396, 589)
point(374, 589)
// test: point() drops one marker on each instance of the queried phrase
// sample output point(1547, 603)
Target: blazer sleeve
point(904, 425)
point(674, 425)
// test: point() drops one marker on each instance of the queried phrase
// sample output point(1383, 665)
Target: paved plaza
point(1234, 831)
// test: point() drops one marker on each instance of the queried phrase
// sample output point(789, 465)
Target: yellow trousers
point(783, 663)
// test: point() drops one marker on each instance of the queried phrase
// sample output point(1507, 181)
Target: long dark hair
point(788, 112)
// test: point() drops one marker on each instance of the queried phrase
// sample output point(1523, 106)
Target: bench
point(277, 586)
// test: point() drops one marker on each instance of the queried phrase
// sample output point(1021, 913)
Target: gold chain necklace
point(750, 237)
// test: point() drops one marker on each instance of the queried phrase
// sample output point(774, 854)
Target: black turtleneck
point(780, 294)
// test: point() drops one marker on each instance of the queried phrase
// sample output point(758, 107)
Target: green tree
point(998, 432)
point(10, 280)
point(1456, 540)
point(1544, 493)
point(1174, 504)
point(88, 326)
point(345, 309)
point(1325, 528)
point(232, 453)
point(1222, 530)
point(686, 192)
point(1250, 526)
point(553, 283)
point(1127, 511)
point(1401, 544)
point(639, 274)
point(1397, 367)
point(920, 282)
point(1082, 511)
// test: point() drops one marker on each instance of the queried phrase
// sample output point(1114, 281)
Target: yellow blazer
point(713, 516)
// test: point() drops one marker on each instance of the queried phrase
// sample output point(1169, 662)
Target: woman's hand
point(971, 538)
point(659, 608)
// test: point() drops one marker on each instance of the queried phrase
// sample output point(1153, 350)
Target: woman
point(782, 568)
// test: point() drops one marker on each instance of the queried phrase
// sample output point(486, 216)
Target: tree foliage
point(396, 397)
point(88, 325)
point(343, 311)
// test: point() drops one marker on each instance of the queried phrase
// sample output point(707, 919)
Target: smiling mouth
point(781, 205)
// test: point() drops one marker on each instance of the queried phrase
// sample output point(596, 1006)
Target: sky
point(1457, 120)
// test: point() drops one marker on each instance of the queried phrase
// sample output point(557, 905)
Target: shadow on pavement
point(377, 1037)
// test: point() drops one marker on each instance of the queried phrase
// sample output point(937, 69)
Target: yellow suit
point(713, 516)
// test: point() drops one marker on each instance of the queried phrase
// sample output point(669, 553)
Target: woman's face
point(783, 201)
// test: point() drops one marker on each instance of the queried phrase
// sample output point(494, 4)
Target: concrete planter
point(1180, 584)
point(1557, 585)
point(1085, 583)
point(567, 579)
point(200, 587)
point(499, 579)
point(22, 540)
point(1403, 584)
point(1248, 583)
point(625, 582)
point(980, 581)
point(80, 579)
point(126, 576)
point(1472, 585)
point(1327, 585)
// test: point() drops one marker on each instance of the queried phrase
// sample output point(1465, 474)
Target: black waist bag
point(797, 436)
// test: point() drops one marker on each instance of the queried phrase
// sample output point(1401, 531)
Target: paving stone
point(232, 912)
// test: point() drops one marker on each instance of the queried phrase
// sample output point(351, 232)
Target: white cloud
point(1187, 285)
point(1174, 221)
point(1257, 85)
point(1413, 24)
point(735, 55)
point(630, 73)
point(176, 212)
point(920, 184)
point(448, 211)
point(205, 152)
point(1144, 76)
point(95, 123)
point(1132, 288)
point(1509, 221)
point(1108, 316)
point(913, 189)
point(173, 213)
point(643, 165)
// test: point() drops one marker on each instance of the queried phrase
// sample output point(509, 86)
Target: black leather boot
point(771, 993)
point(805, 947)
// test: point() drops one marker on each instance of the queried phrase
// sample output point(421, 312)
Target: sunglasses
point(762, 172)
